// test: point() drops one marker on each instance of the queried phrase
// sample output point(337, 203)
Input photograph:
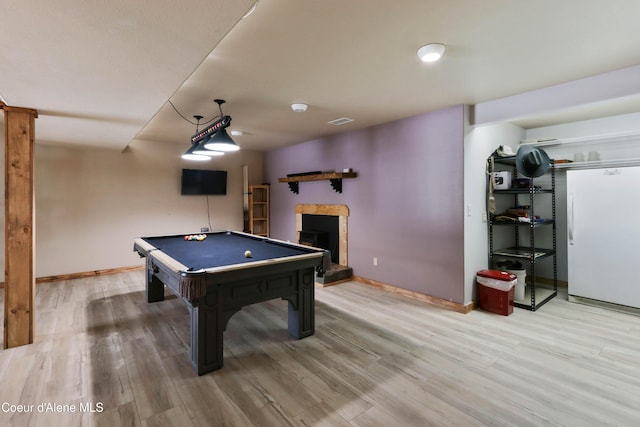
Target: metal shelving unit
point(523, 249)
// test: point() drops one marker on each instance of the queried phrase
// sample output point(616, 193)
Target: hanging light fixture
point(202, 151)
point(212, 140)
point(190, 154)
point(199, 149)
point(220, 140)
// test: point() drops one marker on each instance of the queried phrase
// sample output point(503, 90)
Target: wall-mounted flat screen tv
point(207, 182)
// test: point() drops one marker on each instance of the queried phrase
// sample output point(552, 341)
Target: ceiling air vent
point(341, 121)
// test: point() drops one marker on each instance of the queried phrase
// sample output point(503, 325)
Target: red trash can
point(495, 291)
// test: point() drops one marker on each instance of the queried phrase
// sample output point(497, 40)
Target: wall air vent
point(341, 121)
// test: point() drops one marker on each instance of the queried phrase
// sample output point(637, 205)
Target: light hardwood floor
point(376, 359)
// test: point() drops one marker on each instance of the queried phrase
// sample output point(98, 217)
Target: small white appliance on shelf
point(502, 180)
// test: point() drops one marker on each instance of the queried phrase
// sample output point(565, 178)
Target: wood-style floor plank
point(376, 359)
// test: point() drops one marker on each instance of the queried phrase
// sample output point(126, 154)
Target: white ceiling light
point(236, 133)
point(299, 108)
point(431, 52)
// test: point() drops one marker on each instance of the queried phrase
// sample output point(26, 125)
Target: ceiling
point(101, 74)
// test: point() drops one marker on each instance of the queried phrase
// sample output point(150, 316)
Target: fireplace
point(320, 231)
point(319, 239)
point(316, 224)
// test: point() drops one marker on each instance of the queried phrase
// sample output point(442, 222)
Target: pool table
point(215, 278)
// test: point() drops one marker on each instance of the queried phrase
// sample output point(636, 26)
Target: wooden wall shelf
point(334, 177)
point(259, 210)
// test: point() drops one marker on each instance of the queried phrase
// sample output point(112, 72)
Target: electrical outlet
point(484, 216)
point(375, 261)
point(204, 229)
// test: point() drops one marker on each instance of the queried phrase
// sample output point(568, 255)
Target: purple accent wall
point(406, 205)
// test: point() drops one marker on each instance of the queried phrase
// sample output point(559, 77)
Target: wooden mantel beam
point(19, 291)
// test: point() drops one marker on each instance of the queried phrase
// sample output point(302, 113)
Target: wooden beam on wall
point(19, 291)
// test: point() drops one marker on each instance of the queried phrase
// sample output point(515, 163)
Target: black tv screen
point(198, 181)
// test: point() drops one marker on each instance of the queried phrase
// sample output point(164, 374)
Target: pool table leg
point(207, 329)
point(301, 316)
point(155, 288)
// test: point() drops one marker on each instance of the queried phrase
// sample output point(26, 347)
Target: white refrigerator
point(603, 228)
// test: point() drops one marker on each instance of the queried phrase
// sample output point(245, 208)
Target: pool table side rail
point(326, 257)
point(192, 284)
point(282, 242)
point(142, 247)
point(256, 264)
point(326, 260)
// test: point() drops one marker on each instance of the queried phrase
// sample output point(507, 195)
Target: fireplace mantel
point(341, 211)
point(334, 177)
point(335, 210)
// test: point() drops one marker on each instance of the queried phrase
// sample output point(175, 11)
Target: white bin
point(521, 276)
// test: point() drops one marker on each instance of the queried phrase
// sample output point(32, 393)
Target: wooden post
point(19, 289)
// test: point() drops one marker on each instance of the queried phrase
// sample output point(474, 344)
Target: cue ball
point(247, 254)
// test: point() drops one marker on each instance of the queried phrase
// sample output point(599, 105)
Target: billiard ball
point(247, 254)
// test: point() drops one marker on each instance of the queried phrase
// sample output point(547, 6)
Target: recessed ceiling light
point(237, 132)
point(431, 52)
point(299, 108)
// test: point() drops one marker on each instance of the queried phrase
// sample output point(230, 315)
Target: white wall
point(480, 142)
point(91, 204)
point(559, 100)
point(590, 132)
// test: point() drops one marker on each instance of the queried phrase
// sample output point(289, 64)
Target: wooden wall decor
point(334, 177)
point(19, 291)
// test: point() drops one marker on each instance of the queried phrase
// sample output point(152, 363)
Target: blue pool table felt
point(221, 249)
